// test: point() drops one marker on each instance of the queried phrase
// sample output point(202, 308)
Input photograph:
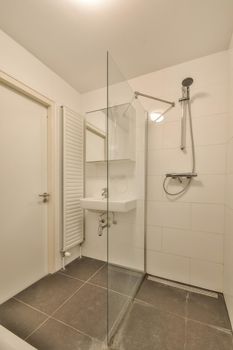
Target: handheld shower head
point(187, 82)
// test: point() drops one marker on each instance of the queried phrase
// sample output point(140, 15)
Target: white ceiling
point(142, 35)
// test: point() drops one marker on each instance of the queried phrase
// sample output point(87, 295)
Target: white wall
point(185, 235)
point(22, 65)
point(228, 244)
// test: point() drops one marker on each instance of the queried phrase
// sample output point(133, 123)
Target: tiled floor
point(168, 318)
point(67, 311)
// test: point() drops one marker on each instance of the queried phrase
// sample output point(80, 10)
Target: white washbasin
point(114, 205)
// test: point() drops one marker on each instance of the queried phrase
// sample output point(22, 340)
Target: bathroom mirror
point(96, 139)
point(122, 133)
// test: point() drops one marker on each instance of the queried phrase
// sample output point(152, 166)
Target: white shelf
point(111, 161)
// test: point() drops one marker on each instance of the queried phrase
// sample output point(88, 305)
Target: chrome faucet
point(103, 223)
point(104, 193)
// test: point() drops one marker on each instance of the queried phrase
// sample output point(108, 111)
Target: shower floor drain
point(184, 287)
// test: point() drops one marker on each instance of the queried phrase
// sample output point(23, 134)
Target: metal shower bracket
point(172, 104)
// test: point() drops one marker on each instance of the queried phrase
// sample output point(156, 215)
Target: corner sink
point(99, 204)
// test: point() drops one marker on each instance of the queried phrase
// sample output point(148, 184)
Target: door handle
point(45, 196)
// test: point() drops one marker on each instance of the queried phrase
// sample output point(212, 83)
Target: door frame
point(52, 163)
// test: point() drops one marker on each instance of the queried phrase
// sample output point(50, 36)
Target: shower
point(185, 101)
point(185, 111)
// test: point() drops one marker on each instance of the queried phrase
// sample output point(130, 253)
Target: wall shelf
point(111, 161)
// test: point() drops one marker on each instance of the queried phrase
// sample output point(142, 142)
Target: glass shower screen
point(126, 124)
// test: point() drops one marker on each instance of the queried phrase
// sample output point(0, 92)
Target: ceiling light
point(91, 2)
point(156, 117)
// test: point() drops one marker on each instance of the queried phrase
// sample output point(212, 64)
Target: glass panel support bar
point(137, 93)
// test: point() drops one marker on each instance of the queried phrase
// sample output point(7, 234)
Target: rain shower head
point(187, 82)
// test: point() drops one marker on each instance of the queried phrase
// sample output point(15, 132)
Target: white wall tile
point(210, 129)
point(123, 244)
point(208, 217)
point(206, 189)
point(168, 266)
point(155, 136)
point(155, 188)
point(90, 170)
point(163, 161)
point(206, 274)
point(140, 173)
point(171, 134)
point(155, 163)
point(154, 237)
point(177, 215)
point(101, 170)
point(94, 186)
point(95, 246)
point(199, 245)
point(211, 159)
point(176, 241)
point(206, 246)
point(155, 212)
point(210, 99)
point(140, 139)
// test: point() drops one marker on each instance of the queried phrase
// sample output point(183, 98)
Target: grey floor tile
point(202, 337)
point(56, 336)
point(83, 268)
point(118, 279)
point(19, 318)
point(208, 310)
point(87, 310)
point(50, 292)
point(146, 328)
point(163, 297)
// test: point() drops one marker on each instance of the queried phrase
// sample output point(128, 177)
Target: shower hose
point(187, 102)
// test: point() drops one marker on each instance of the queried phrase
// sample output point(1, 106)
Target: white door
point(23, 176)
